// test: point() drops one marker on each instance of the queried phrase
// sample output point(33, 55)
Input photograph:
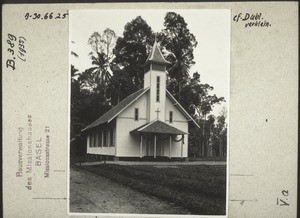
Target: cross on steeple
point(157, 111)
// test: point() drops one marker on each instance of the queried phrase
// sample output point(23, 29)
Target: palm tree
point(101, 57)
point(181, 68)
point(109, 41)
point(99, 72)
point(95, 42)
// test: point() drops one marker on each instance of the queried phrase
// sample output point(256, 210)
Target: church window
point(111, 137)
point(157, 88)
point(100, 139)
point(171, 117)
point(89, 140)
point(94, 140)
point(104, 139)
point(108, 138)
point(136, 114)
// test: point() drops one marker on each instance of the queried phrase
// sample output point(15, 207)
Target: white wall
point(177, 115)
point(147, 79)
point(154, 105)
point(180, 122)
point(150, 81)
point(101, 150)
point(127, 144)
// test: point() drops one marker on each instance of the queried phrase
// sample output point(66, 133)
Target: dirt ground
point(90, 193)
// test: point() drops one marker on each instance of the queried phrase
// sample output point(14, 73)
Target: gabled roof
point(116, 110)
point(158, 126)
point(125, 103)
point(182, 110)
point(156, 56)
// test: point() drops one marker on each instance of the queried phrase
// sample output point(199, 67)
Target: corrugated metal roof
point(158, 126)
point(156, 56)
point(112, 113)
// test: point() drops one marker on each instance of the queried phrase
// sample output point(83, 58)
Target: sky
point(210, 27)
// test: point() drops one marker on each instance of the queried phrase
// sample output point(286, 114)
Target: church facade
point(149, 122)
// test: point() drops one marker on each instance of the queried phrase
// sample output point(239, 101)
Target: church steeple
point(156, 56)
point(155, 77)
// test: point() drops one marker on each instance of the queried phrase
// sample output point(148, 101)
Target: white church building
point(149, 122)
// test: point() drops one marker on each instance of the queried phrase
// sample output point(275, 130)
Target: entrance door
point(150, 146)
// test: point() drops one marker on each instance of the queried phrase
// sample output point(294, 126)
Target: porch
point(158, 140)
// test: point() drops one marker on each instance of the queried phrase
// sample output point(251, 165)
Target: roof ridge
point(106, 117)
point(181, 108)
point(158, 126)
point(147, 124)
point(143, 91)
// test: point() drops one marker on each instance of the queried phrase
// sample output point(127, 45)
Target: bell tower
point(155, 77)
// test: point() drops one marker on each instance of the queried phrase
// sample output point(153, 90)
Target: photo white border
point(228, 132)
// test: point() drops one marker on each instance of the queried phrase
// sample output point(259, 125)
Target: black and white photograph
point(149, 103)
point(150, 109)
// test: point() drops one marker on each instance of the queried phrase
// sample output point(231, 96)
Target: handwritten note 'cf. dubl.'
point(252, 19)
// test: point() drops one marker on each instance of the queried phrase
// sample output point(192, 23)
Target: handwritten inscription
point(16, 48)
point(283, 201)
point(242, 201)
point(251, 20)
point(46, 16)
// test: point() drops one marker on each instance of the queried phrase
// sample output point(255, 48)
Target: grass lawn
point(199, 188)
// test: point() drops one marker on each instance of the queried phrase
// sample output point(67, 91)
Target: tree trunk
point(179, 92)
point(204, 138)
point(220, 149)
